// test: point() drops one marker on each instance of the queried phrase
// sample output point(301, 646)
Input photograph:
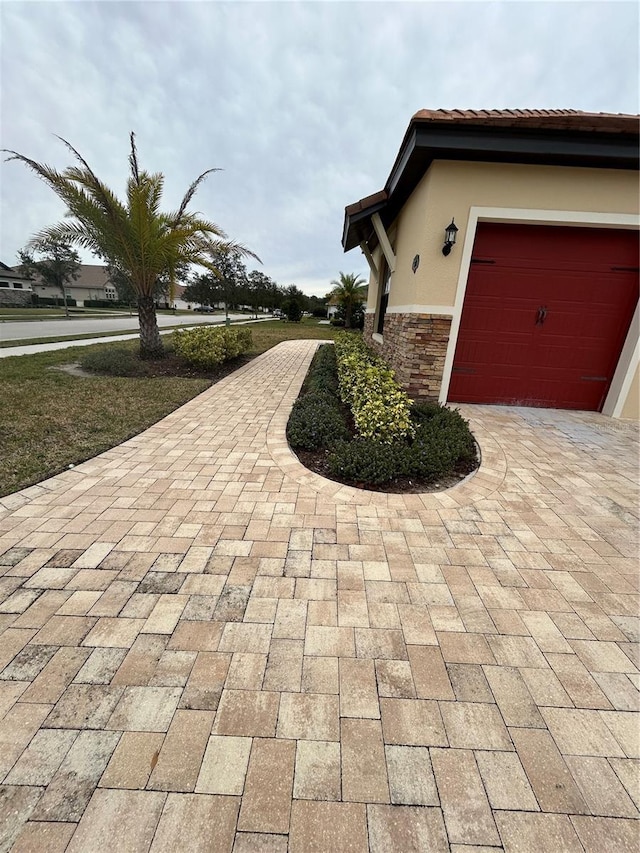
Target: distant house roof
point(9, 272)
point(548, 137)
point(91, 275)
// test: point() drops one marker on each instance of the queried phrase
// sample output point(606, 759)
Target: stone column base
point(415, 345)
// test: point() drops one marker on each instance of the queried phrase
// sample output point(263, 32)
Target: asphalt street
point(18, 331)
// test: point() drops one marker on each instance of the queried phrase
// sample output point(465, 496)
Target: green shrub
point(323, 373)
point(369, 462)
point(449, 427)
point(436, 442)
point(324, 359)
point(111, 361)
point(316, 421)
point(207, 347)
point(442, 442)
point(106, 303)
point(421, 412)
point(381, 409)
point(56, 301)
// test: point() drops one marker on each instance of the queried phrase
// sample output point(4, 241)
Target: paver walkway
point(205, 647)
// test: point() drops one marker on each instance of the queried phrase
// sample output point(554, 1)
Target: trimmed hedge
point(317, 419)
point(368, 462)
point(323, 373)
point(381, 409)
point(437, 442)
point(56, 301)
point(208, 347)
point(107, 303)
point(441, 444)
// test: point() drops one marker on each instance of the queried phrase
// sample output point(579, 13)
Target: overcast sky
point(303, 105)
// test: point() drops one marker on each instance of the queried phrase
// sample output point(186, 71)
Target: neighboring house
point(15, 290)
point(92, 283)
point(536, 304)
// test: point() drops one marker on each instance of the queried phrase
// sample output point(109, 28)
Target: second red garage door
point(545, 316)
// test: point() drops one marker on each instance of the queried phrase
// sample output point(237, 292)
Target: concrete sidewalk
point(204, 646)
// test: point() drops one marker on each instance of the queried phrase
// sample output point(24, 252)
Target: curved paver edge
point(480, 484)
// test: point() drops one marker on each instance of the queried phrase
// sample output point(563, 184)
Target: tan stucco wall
point(451, 189)
point(631, 407)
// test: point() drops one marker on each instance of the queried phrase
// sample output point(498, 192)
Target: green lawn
point(34, 314)
point(26, 342)
point(31, 313)
point(50, 420)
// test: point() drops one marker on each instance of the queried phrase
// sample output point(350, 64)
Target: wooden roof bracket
point(372, 264)
point(385, 245)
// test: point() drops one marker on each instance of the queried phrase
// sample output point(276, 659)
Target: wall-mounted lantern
point(450, 237)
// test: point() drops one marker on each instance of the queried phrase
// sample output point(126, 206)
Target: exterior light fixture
point(449, 238)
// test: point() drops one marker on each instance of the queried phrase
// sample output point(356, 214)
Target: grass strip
point(51, 420)
point(26, 342)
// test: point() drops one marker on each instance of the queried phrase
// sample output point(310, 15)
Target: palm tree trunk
point(150, 340)
point(61, 284)
point(347, 316)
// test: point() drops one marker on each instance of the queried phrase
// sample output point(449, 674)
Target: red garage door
point(545, 315)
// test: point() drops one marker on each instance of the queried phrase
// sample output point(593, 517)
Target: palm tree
point(349, 292)
point(133, 236)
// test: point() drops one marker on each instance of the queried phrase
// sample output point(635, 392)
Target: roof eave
point(357, 226)
point(425, 142)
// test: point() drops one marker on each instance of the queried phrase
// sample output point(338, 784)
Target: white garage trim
point(625, 371)
point(628, 361)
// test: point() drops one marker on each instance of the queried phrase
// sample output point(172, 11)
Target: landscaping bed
point(353, 424)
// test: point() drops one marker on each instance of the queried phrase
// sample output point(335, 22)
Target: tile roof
point(369, 201)
point(552, 119)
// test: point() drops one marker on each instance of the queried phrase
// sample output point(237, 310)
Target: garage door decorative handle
point(541, 315)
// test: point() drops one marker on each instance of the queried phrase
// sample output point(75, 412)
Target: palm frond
point(190, 194)
point(133, 158)
point(92, 179)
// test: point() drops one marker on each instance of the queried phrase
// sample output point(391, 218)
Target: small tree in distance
point(205, 289)
point(59, 264)
point(349, 292)
point(294, 303)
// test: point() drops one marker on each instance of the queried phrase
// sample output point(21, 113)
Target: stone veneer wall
point(10, 298)
point(415, 345)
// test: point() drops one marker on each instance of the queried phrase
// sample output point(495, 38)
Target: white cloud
point(303, 105)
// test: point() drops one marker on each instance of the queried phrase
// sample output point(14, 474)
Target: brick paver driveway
point(205, 647)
